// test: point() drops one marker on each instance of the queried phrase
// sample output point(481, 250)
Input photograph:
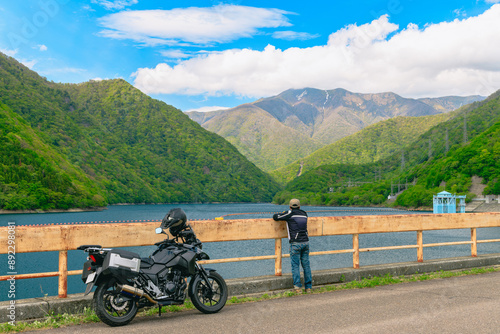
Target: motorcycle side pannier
point(122, 263)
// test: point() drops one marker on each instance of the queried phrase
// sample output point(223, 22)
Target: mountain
point(370, 144)
point(441, 158)
point(448, 103)
point(268, 131)
point(263, 139)
point(123, 145)
point(481, 157)
point(34, 175)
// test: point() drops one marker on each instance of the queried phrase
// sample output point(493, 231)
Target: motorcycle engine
point(171, 285)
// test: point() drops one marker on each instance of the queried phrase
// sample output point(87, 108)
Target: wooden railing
point(62, 238)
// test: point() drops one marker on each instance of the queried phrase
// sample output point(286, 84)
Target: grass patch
point(52, 321)
point(89, 316)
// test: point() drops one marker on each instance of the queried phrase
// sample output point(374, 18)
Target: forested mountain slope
point(371, 144)
point(34, 176)
point(128, 147)
point(276, 131)
point(444, 157)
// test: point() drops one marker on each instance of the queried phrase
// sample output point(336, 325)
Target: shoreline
point(13, 212)
point(102, 208)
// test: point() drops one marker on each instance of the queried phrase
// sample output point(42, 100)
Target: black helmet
point(175, 221)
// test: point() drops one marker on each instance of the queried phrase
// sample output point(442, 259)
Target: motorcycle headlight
point(203, 256)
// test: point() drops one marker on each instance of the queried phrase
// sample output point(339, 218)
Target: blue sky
point(210, 54)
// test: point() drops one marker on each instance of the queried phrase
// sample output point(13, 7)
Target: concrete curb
point(40, 307)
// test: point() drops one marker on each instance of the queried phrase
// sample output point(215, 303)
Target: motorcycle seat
point(146, 262)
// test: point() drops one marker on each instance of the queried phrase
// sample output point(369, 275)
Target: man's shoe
point(308, 290)
point(296, 289)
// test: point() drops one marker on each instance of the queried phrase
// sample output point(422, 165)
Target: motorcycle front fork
point(204, 275)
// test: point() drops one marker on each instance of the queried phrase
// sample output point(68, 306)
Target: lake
point(48, 261)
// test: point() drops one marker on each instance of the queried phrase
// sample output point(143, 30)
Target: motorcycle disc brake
point(118, 303)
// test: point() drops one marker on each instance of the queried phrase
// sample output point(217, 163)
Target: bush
point(416, 196)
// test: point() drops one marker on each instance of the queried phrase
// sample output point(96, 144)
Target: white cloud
point(42, 47)
point(70, 70)
point(293, 35)
point(28, 63)
point(207, 109)
point(10, 53)
point(458, 57)
point(460, 12)
point(62, 70)
point(198, 26)
point(175, 54)
point(116, 4)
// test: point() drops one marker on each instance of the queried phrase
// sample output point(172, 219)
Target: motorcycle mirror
point(159, 230)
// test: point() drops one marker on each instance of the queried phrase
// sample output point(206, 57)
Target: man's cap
point(294, 203)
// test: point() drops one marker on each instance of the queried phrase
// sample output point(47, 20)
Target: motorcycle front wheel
point(211, 297)
point(111, 307)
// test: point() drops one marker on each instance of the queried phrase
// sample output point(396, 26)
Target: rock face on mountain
point(275, 131)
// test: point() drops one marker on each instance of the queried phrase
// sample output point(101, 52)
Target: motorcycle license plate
point(90, 278)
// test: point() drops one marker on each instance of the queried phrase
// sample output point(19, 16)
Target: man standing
point(296, 222)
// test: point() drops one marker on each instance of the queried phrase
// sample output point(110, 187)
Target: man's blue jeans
point(299, 254)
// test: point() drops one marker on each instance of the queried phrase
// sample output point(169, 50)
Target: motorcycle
point(126, 282)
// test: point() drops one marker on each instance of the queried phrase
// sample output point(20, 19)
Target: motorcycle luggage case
point(122, 263)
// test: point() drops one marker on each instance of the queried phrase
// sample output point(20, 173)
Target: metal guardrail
point(61, 238)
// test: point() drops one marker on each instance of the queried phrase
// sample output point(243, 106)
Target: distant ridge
point(275, 131)
point(441, 158)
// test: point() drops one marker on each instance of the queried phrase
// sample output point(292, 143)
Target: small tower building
point(444, 202)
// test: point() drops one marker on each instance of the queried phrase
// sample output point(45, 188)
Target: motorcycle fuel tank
point(185, 259)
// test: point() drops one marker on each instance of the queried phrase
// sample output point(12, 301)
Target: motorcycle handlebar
point(166, 241)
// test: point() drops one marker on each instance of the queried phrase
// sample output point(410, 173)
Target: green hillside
point(142, 150)
point(274, 132)
point(261, 138)
point(368, 145)
point(131, 148)
point(33, 175)
point(430, 162)
point(480, 157)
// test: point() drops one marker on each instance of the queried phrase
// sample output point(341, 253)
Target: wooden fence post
point(420, 246)
point(63, 274)
point(355, 254)
point(473, 237)
point(279, 257)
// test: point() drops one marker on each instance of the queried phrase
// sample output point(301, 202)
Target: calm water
point(48, 261)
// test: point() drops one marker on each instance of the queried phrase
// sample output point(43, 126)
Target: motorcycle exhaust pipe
point(136, 292)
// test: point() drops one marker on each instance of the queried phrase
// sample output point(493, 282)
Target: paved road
point(469, 304)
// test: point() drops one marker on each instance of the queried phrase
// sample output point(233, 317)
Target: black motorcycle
point(126, 282)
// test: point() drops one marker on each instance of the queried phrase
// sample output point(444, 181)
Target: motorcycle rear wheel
point(208, 299)
point(110, 306)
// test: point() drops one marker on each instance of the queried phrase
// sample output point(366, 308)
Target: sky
point(205, 55)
